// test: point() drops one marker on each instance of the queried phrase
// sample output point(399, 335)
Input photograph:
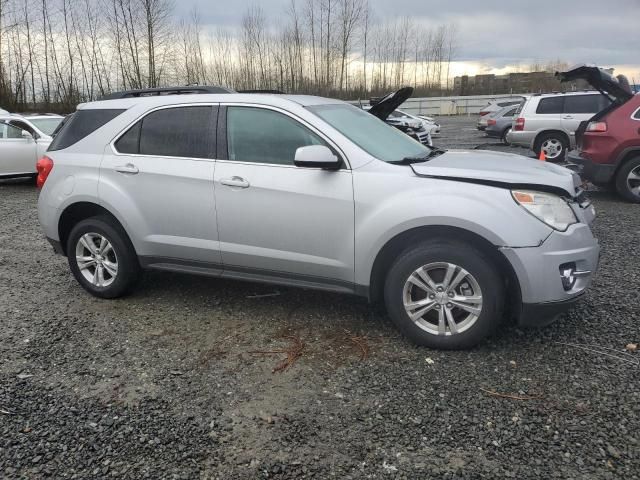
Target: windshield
point(375, 137)
point(46, 125)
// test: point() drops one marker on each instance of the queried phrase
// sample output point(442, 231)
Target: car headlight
point(546, 207)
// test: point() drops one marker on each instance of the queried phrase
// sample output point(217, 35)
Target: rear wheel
point(504, 136)
point(554, 145)
point(444, 294)
point(628, 180)
point(102, 258)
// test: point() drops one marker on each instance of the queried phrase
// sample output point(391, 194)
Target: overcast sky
point(494, 35)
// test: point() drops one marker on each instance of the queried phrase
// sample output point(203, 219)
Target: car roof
point(162, 100)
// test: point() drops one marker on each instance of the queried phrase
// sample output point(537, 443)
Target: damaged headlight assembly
point(550, 209)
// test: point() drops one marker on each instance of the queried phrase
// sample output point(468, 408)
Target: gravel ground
point(178, 381)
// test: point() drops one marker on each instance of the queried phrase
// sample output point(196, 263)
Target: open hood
point(617, 88)
point(499, 169)
point(389, 103)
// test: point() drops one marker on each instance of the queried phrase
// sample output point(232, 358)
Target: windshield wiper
point(419, 159)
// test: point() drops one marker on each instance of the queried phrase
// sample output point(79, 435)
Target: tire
point(482, 279)
point(627, 180)
point(555, 143)
point(503, 138)
point(118, 252)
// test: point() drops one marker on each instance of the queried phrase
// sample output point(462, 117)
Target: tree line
point(55, 54)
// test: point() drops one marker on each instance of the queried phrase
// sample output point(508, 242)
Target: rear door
point(18, 155)
point(159, 173)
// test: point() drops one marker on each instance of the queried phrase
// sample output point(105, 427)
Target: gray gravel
point(168, 383)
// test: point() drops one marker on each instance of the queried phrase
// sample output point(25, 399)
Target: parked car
point(499, 123)
point(316, 193)
point(435, 128)
point(24, 139)
point(608, 144)
point(548, 122)
point(385, 109)
point(427, 123)
point(494, 106)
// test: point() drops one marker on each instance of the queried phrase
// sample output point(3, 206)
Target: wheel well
point(537, 141)
point(394, 247)
point(75, 213)
point(625, 158)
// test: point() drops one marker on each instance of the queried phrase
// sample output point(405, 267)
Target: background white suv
point(23, 140)
point(548, 122)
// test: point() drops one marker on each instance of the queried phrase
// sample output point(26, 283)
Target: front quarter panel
point(390, 200)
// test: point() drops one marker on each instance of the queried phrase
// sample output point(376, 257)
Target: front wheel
point(444, 294)
point(101, 257)
point(628, 180)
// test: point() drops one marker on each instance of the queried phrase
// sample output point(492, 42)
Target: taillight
point(519, 125)
point(491, 122)
point(597, 127)
point(482, 114)
point(44, 167)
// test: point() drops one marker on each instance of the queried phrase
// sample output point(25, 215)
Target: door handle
point(128, 168)
point(568, 117)
point(234, 181)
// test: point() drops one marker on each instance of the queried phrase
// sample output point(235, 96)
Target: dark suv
point(608, 145)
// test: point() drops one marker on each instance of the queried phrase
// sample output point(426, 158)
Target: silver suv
point(548, 122)
point(315, 193)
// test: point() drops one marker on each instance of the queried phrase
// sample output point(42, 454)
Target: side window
point(178, 132)
point(550, 105)
point(130, 141)
point(582, 104)
point(636, 116)
point(171, 132)
point(264, 136)
point(12, 131)
point(22, 126)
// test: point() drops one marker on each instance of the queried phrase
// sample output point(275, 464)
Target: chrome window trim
point(121, 133)
point(293, 116)
point(636, 115)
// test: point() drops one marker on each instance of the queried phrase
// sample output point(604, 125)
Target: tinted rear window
point(550, 105)
point(81, 124)
point(582, 104)
point(172, 132)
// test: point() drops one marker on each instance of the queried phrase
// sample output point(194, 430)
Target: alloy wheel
point(96, 259)
point(633, 181)
point(442, 298)
point(552, 148)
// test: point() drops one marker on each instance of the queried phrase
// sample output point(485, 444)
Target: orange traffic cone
point(542, 157)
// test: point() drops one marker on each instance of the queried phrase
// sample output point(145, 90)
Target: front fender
point(412, 202)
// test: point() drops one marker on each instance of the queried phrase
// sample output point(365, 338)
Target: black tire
point(622, 186)
point(128, 268)
point(465, 256)
point(503, 137)
point(553, 136)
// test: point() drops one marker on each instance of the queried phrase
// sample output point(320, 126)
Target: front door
point(276, 219)
point(18, 154)
point(161, 174)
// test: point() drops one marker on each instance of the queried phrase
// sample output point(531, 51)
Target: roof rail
point(275, 92)
point(150, 92)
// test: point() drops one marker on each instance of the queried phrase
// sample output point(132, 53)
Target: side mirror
point(26, 135)
point(316, 156)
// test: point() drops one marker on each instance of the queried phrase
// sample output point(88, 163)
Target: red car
point(608, 145)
